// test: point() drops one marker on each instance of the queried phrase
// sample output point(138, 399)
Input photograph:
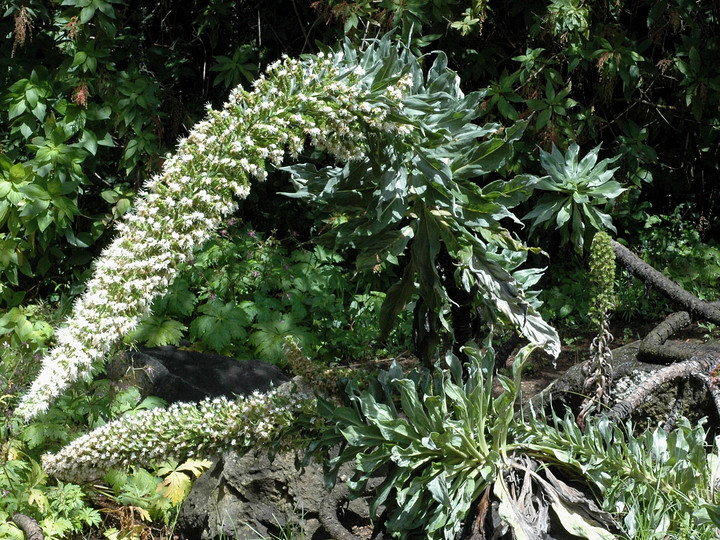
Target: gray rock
point(251, 497)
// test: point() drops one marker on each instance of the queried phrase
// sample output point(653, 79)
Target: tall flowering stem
point(182, 431)
point(598, 370)
point(279, 418)
point(324, 99)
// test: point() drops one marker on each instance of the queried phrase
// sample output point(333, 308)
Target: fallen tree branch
point(328, 510)
point(29, 526)
point(700, 364)
point(712, 388)
point(640, 269)
point(328, 514)
point(655, 349)
point(663, 331)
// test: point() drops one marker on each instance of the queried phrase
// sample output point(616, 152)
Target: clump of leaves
point(441, 441)
point(673, 244)
point(429, 206)
point(660, 484)
point(576, 190)
point(247, 291)
point(157, 493)
point(61, 508)
point(26, 328)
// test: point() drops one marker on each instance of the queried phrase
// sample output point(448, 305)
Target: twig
point(297, 14)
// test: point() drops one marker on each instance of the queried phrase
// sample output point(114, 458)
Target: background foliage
point(95, 94)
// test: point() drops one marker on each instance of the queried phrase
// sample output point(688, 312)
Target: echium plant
point(428, 204)
point(323, 99)
point(372, 108)
point(182, 431)
point(442, 442)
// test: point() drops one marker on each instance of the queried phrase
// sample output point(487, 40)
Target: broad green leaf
point(398, 431)
point(564, 214)
point(220, 324)
point(412, 406)
point(395, 301)
point(19, 173)
point(159, 331)
point(438, 488)
point(175, 487)
point(362, 435)
point(5, 187)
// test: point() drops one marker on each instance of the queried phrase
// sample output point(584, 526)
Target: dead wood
point(29, 526)
point(700, 364)
point(654, 347)
point(640, 269)
point(663, 331)
point(712, 388)
point(538, 493)
point(328, 515)
point(477, 530)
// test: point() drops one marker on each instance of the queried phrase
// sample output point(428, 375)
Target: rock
point(180, 375)
point(240, 496)
point(251, 496)
point(244, 497)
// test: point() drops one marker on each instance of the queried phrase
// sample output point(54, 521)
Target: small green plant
point(248, 290)
point(565, 296)
point(61, 508)
point(673, 244)
point(26, 327)
point(158, 492)
point(576, 190)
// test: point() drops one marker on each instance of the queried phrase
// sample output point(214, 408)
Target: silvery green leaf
point(577, 525)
